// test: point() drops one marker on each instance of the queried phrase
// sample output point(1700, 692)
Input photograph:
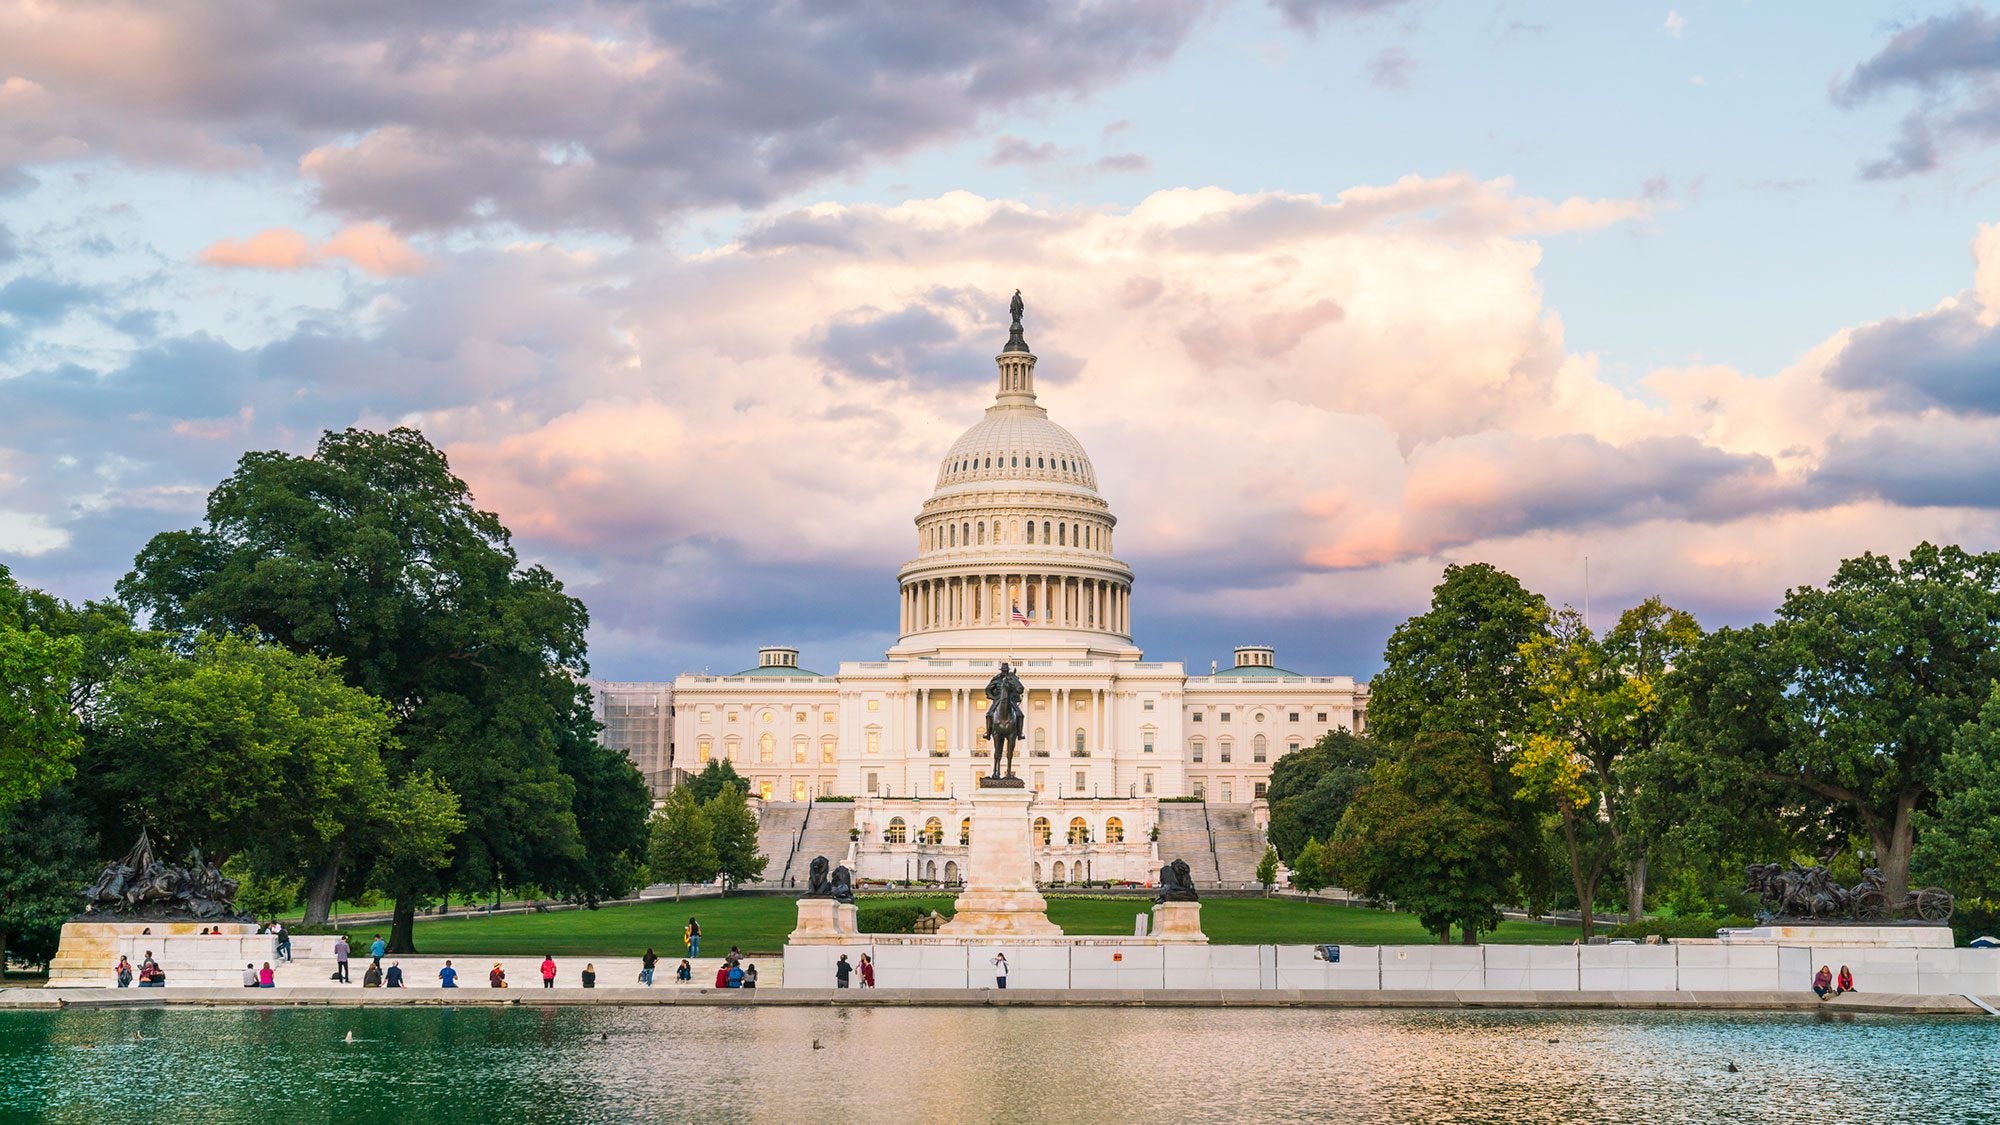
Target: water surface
point(1030, 1065)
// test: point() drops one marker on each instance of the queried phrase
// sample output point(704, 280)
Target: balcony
point(1079, 753)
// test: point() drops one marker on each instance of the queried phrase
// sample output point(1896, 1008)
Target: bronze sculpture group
point(1004, 719)
point(837, 884)
point(141, 886)
point(1798, 891)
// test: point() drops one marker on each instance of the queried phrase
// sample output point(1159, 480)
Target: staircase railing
point(1213, 856)
point(798, 842)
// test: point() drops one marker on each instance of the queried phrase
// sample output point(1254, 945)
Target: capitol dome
point(1015, 534)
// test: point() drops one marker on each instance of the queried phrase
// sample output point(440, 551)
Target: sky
point(1335, 292)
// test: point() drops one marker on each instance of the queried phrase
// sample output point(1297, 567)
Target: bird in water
point(816, 1046)
point(1555, 1040)
point(604, 1037)
point(350, 1038)
point(1732, 1068)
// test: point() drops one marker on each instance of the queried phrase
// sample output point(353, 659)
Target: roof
point(1260, 672)
point(1018, 445)
point(779, 672)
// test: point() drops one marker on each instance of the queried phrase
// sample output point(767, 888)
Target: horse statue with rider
point(1004, 718)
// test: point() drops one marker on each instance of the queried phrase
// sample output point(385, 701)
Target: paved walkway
point(685, 995)
point(420, 973)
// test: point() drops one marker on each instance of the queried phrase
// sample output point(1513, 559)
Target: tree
point(1960, 837)
point(1267, 868)
point(1596, 705)
point(1855, 695)
point(1430, 832)
point(51, 855)
point(1310, 789)
point(1309, 867)
point(1457, 668)
point(611, 806)
point(714, 778)
point(371, 552)
point(734, 829)
point(242, 748)
point(39, 731)
point(681, 847)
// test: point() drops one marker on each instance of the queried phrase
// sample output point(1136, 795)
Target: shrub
point(892, 917)
point(1695, 926)
point(833, 800)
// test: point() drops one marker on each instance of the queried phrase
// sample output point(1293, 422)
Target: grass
point(760, 924)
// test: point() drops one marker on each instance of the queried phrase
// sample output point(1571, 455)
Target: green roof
point(780, 671)
point(1262, 672)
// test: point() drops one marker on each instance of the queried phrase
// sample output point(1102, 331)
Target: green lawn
point(760, 924)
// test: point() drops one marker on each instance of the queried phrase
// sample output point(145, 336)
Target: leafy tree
point(1310, 789)
point(611, 806)
point(1457, 668)
point(39, 732)
point(681, 847)
point(242, 748)
point(262, 896)
point(1309, 871)
point(370, 551)
point(50, 855)
point(1854, 696)
point(1597, 705)
point(1267, 868)
point(733, 827)
point(1430, 832)
point(714, 778)
point(1959, 839)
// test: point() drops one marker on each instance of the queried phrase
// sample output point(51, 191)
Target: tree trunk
point(1635, 889)
point(403, 926)
point(1586, 884)
point(1468, 934)
point(1892, 853)
point(1444, 936)
point(320, 889)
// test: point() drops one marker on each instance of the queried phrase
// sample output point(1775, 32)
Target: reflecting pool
point(978, 1064)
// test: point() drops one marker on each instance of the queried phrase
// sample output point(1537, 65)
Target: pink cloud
point(370, 247)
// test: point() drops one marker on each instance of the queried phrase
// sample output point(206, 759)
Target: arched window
point(965, 832)
point(1031, 531)
point(937, 739)
point(704, 749)
point(1079, 832)
point(950, 871)
point(764, 718)
point(1080, 750)
point(1058, 873)
point(1114, 831)
point(765, 744)
point(1038, 462)
point(1041, 742)
point(954, 536)
point(1258, 748)
point(933, 831)
point(799, 750)
point(1062, 535)
point(1045, 532)
point(982, 533)
point(966, 534)
point(898, 832)
point(1042, 831)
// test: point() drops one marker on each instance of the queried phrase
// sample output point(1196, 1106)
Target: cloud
point(1945, 360)
point(370, 247)
point(1392, 68)
point(1305, 15)
point(36, 300)
point(547, 115)
point(9, 249)
point(1123, 162)
point(1953, 62)
point(1016, 150)
point(1675, 23)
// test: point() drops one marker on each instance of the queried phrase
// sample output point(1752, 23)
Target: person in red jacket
point(1846, 979)
point(548, 971)
point(722, 975)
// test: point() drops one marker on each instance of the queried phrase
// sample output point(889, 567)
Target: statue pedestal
point(1000, 899)
point(88, 950)
point(1178, 921)
point(823, 921)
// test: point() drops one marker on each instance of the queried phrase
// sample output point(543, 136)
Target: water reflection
point(905, 1065)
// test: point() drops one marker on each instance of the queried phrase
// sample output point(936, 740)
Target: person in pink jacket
point(548, 971)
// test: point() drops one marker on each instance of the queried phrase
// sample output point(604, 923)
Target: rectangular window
point(1196, 717)
point(798, 753)
point(1295, 716)
point(1225, 717)
point(1146, 781)
point(941, 703)
point(764, 789)
point(1082, 781)
point(708, 714)
point(800, 717)
point(1196, 748)
point(1260, 790)
point(1224, 755)
point(874, 742)
point(1228, 793)
point(874, 705)
point(1321, 718)
point(1145, 705)
point(1041, 781)
point(826, 752)
point(1200, 791)
point(826, 788)
point(1146, 746)
point(1257, 753)
point(937, 781)
point(799, 789)
point(873, 780)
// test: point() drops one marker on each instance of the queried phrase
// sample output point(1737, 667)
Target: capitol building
point(1132, 762)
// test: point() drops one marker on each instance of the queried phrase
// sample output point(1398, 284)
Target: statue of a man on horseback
point(1004, 718)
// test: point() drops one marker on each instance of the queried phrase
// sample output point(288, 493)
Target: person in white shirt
point(1000, 969)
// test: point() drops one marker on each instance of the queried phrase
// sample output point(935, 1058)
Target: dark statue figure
point(837, 885)
point(1004, 718)
point(141, 886)
point(1016, 341)
point(1800, 892)
point(1176, 883)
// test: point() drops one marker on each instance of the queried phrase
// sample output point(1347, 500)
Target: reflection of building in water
point(638, 720)
point(1014, 562)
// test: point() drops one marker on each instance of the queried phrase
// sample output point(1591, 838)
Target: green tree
point(681, 847)
point(1310, 789)
point(1309, 871)
point(1430, 833)
point(39, 731)
point(733, 827)
point(1457, 668)
point(1267, 868)
point(370, 551)
point(242, 748)
point(714, 778)
point(612, 806)
point(50, 855)
point(1598, 703)
point(1854, 696)
point(1960, 837)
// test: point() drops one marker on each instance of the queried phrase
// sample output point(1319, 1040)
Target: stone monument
point(186, 914)
point(827, 912)
point(1000, 899)
point(1177, 908)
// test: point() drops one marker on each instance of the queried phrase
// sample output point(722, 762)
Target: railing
point(798, 842)
point(1079, 753)
point(1213, 856)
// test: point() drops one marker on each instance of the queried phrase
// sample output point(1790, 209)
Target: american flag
point(1019, 617)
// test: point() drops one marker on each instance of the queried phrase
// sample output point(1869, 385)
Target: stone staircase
point(825, 834)
point(778, 827)
point(1239, 846)
point(1184, 835)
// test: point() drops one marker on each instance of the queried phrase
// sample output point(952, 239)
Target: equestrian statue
point(1004, 719)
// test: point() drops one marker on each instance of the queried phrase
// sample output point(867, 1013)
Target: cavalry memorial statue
point(142, 887)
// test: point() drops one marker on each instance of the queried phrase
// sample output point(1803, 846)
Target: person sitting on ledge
point(498, 977)
point(722, 975)
point(1846, 979)
point(590, 975)
point(250, 975)
point(684, 974)
point(266, 978)
point(372, 976)
point(447, 976)
point(1823, 982)
point(394, 977)
point(749, 976)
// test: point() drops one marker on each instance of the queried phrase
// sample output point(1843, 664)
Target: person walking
point(394, 977)
point(250, 975)
point(284, 949)
point(841, 971)
point(646, 964)
point(378, 947)
point(867, 971)
point(447, 976)
point(692, 936)
point(1000, 970)
point(122, 972)
point(266, 978)
point(340, 960)
point(589, 975)
point(548, 971)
